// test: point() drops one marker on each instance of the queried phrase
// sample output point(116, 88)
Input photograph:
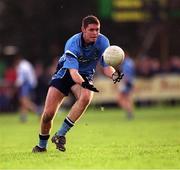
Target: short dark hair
point(90, 19)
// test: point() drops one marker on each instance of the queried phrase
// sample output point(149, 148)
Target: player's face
point(91, 32)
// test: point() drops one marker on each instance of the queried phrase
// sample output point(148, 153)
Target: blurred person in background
point(143, 67)
point(155, 66)
point(2, 68)
point(125, 89)
point(75, 71)
point(175, 64)
point(26, 82)
point(10, 77)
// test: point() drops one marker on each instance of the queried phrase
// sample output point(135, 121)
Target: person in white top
point(26, 82)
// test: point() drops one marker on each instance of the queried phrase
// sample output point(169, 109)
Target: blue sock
point(66, 126)
point(43, 141)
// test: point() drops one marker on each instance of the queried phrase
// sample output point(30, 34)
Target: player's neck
point(84, 42)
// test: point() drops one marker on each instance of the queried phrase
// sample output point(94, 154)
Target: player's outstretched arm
point(108, 71)
point(79, 80)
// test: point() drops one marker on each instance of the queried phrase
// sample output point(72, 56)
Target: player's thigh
point(82, 94)
point(53, 100)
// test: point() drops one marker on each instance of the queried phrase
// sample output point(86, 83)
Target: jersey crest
point(87, 58)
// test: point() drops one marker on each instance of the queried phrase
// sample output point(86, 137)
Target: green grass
point(100, 140)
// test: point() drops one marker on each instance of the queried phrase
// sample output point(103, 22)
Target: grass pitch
point(100, 140)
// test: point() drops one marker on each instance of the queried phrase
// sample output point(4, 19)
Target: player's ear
point(82, 29)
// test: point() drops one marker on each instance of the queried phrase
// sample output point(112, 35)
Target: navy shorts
point(65, 83)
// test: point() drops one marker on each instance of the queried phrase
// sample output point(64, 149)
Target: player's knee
point(85, 99)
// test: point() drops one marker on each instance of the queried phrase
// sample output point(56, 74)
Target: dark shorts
point(64, 84)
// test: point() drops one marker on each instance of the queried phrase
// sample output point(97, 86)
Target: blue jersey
point(80, 57)
point(128, 68)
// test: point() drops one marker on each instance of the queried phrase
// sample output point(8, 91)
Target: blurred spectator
point(143, 67)
point(10, 74)
point(125, 89)
point(2, 68)
point(175, 64)
point(26, 82)
point(5, 101)
point(165, 67)
point(7, 89)
point(10, 77)
point(155, 66)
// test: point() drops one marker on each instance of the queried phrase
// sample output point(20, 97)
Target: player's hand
point(117, 76)
point(86, 85)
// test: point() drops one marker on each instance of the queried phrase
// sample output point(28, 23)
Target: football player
point(126, 88)
point(75, 71)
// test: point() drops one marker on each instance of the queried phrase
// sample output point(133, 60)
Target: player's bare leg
point(83, 97)
point(126, 102)
point(53, 101)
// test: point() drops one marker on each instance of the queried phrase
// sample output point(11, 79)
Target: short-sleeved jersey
point(83, 58)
